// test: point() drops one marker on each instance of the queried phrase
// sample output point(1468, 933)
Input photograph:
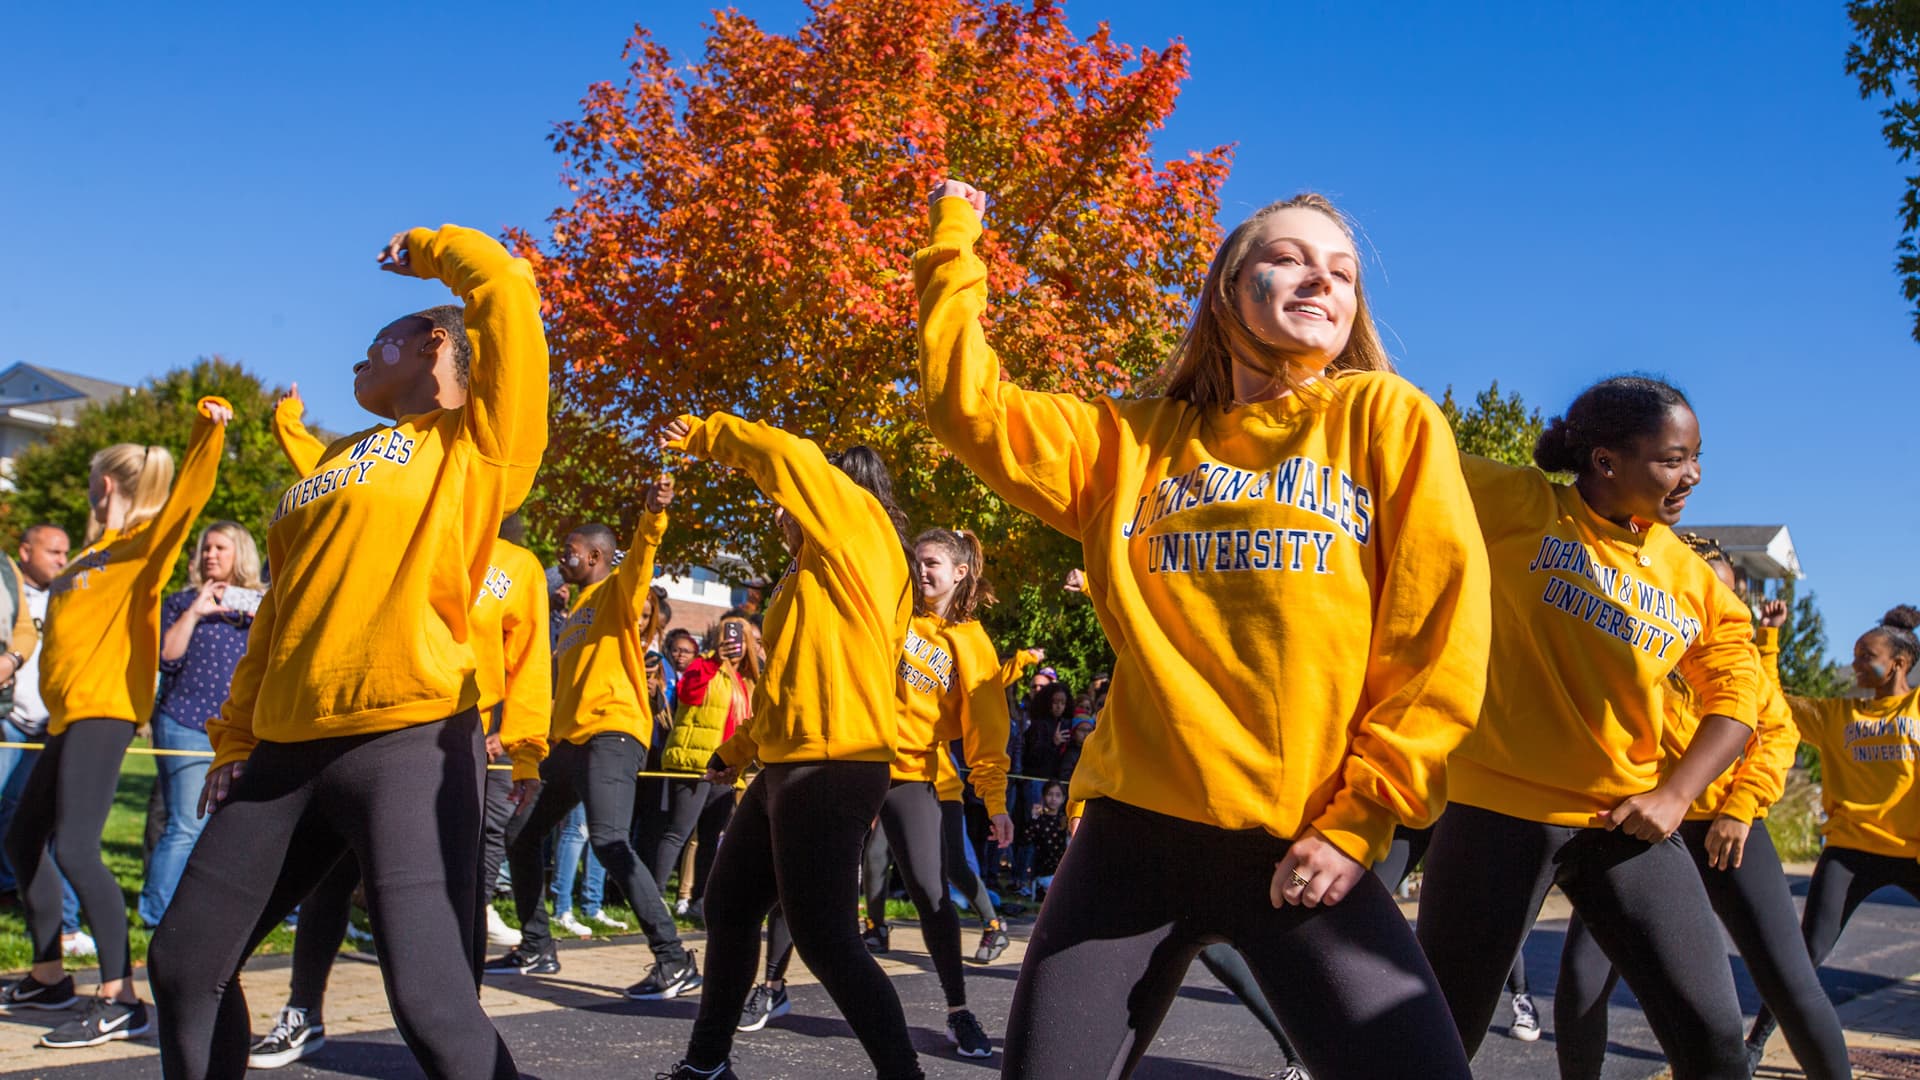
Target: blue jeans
point(180, 779)
point(571, 843)
point(14, 767)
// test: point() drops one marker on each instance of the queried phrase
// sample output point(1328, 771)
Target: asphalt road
point(1207, 1034)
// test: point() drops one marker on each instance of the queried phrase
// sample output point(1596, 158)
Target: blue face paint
point(1263, 286)
point(1878, 673)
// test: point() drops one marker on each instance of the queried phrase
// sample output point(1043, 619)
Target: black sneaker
point(103, 1022)
point(667, 980)
point(763, 1005)
point(29, 993)
point(291, 1039)
point(992, 944)
point(877, 938)
point(684, 1071)
point(522, 961)
point(1526, 1019)
point(965, 1033)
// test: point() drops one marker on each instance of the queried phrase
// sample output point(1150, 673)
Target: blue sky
point(1550, 194)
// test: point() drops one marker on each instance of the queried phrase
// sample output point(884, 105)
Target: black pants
point(779, 945)
point(796, 839)
point(599, 772)
point(1757, 910)
point(1228, 966)
point(1409, 850)
point(1842, 881)
point(406, 804)
point(876, 873)
point(910, 817)
point(693, 809)
point(1487, 874)
point(324, 915)
point(1124, 920)
point(56, 829)
point(495, 816)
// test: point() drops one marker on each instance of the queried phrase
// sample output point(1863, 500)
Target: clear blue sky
point(1550, 193)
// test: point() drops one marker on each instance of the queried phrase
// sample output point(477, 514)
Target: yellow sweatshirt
point(1756, 781)
point(1588, 619)
point(102, 655)
point(835, 624)
point(950, 689)
point(513, 660)
point(301, 448)
point(1016, 666)
point(512, 654)
point(601, 684)
point(1296, 592)
point(1868, 748)
point(399, 520)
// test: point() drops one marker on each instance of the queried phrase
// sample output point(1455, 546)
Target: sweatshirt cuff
point(231, 751)
point(210, 400)
point(1767, 639)
point(954, 222)
point(1362, 830)
point(526, 760)
point(737, 751)
point(1741, 805)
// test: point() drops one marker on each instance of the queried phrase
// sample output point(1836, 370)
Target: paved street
point(576, 1025)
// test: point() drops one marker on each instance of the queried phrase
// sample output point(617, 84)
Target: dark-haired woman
point(99, 662)
point(1867, 776)
point(351, 726)
point(823, 727)
point(1595, 602)
point(1263, 517)
point(1726, 833)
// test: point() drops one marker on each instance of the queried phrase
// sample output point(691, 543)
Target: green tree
point(1501, 428)
point(50, 479)
point(1804, 667)
point(1886, 61)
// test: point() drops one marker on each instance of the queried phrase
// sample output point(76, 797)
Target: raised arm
point(1017, 665)
point(827, 505)
point(192, 487)
point(302, 449)
point(1432, 622)
point(635, 575)
point(506, 410)
point(1036, 450)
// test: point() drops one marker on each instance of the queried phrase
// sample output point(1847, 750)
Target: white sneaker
point(606, 920)
point(78, 943)
point(499, 934)
point(566, 921)
point(680, 908)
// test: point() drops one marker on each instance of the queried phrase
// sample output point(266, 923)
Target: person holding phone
point(716, 698)
point(602, 726)
point(203, 634)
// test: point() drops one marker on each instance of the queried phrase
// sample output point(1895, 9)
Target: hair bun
point(1904, 617)
point(1554, 451)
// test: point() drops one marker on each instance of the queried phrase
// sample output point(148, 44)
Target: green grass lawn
point(122, 844)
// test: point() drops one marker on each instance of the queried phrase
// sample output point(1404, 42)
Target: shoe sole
point(976, 958)
point(778, 1012)
point(671, 992)
point(286, 1057)
point(965, 1053)
point(555, 970)
point(98, 1040)
point(1525, 1034)
point(42, 1006)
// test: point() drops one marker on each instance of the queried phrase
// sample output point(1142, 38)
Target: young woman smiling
point(1595, 601)
point(1349, 562)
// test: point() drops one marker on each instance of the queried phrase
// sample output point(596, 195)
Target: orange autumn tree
point(741, 231)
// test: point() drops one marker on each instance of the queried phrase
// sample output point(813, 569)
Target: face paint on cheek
point(1263, 286)
point(390, 353)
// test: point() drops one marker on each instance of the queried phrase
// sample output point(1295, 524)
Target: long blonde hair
point(246, 555)
point(144, 474)
point(1201, 369)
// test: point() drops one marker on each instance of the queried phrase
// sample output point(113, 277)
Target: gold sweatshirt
point(513, 659)
point(379, 552)
point(950, 689)
point(299, 444)
point(1756, 781)
point(1868, 748)
point(1295, 591)
point(102, 644)
point(602, 663)
point(837, 619)
point(1016, 666)
point(1588, 619)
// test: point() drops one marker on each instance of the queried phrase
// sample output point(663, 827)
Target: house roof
point(1764, 551)
point(60, 394)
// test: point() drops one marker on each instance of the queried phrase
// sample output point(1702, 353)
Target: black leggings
point(406, 804)
point(1228, 966)
point(695, 810)
point(1124, 920)
point(1486, 876)
point(796, 839)
point(1842, 881)
point(599, 772)
point(324, 915)
point(1409, 850)
point(779, 945)
point(56, 829)
point(910, 817)
point(1757, 910)
point(960, 874)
